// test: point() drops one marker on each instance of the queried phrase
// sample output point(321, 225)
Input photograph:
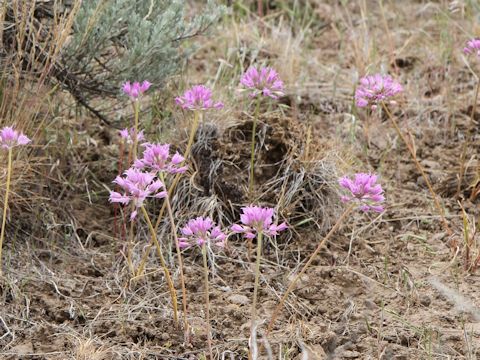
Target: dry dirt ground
point(392, 286)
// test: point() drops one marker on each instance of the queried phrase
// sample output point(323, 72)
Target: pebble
point(350, 354)
point(238, 299)
point(425, 300)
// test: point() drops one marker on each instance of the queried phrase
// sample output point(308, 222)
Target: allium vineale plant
point(259, 82)
point(362, 192)
point(203, 232)
point(377, 91)
point(256, 222)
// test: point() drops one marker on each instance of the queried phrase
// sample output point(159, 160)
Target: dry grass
point(27, 101)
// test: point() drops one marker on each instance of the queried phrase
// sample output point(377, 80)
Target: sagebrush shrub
point(118, 40)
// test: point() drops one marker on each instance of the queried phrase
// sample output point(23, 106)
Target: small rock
point(369, 304)
point(330, 342)
point(238, 299)
point(165, 336)
point(350, 354)
point(431, 164)
point(234, 311)
point(425, 300)
point(312, 352)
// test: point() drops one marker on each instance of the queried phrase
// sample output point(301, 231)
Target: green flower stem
point(133, 150)
point(180, 260)
point(420, 169)
point(207, 300)
point(129, 247)
point(252, 158)
point(196, 120)
point(168, 278)
point(257, 278)
point(193, 130)
point(136, 106)
point(5, 204)
point(279, 306)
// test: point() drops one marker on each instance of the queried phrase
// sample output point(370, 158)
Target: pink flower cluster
point(201, 231)
point(137, 187)
point(472, 47)
point(156, 157)
point(136, 89)
point(255, 220)
point(374, 89)
point(129, 135)
point(364, 190)
point(264, 82)
point(198, 98)
point(10, 138)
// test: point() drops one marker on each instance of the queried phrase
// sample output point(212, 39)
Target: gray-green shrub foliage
point(118, 40)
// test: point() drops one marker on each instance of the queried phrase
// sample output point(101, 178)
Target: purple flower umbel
point(137, 187)
point(472, 47)
point(201, 231)
point(364, 190)
point(199, 97)
point(157, 157)
point(136, 89)
point(264, 82)
point(129, 135)
point(10, 138)
point(256, 219)
point(374, 89)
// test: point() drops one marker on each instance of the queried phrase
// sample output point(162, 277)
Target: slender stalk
point(461, 172)
point(5, 204)
point(279, 306)
point(307, 142)
point(132, 156)
point(252, 158)
point(193, 130)
point(168, 278)
point(476, 189)
point(257, 278)
point(196, 121)
point(180, 260)
point(129, 249)
point(121, 234)
point(420, 169)
point(207, 300)
point(136, 106)
point(260, 8)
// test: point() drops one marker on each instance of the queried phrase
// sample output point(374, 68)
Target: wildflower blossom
point(137, 187)
point(199, 97)
point(472, 47)
point(157, 157)
point(376, 88)
point(265, 82)
point(364, 190)
point(136, 89)
point(256, 219)
point(10, 138)
point(201, 231)
point(129, 135)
